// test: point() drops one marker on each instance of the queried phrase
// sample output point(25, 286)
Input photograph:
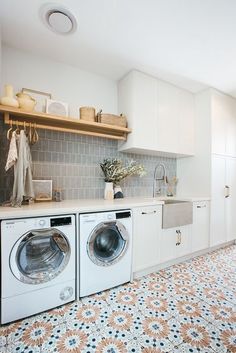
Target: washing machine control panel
point(60, 221)
point(110, 216)
point(98, 217)
point(42, 222)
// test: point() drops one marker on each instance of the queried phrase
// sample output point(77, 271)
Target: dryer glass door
point(107, 243)
point(40, 255)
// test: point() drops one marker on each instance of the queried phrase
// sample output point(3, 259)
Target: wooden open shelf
point(64, 124)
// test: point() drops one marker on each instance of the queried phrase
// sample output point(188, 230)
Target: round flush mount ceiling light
point(58, 19)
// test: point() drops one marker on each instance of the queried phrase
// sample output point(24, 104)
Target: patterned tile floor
point(189, 307)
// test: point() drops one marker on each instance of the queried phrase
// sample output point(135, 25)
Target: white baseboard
point(180, 259)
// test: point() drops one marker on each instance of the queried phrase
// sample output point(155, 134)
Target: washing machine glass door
point(107, 243)
point(40, 255)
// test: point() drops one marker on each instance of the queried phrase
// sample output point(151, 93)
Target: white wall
point(64, 82)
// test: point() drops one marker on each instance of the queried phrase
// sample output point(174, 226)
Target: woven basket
point(87, 113)
point(112, 119)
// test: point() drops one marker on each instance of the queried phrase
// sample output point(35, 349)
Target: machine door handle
point(201, 206)
point(227, 191)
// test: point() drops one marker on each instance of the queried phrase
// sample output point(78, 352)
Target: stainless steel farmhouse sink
point(176, 213)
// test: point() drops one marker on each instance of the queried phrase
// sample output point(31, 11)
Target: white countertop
point(87, 205)
point(188, 198)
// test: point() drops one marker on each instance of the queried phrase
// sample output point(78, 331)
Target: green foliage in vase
point(114, 170)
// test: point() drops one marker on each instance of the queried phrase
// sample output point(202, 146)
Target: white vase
point(108, 191)
point(9, 97)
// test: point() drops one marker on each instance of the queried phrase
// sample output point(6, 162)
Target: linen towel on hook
point(12, 154)
point(23, 185)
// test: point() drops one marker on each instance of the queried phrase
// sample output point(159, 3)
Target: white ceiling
point(190, 43)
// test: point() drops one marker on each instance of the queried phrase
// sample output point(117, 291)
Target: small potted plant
point(114, 171)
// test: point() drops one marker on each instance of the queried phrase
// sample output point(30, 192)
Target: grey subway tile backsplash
point(72, 162)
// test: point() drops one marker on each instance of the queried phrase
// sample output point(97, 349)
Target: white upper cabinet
point(223, 124)
point(231, 129)
point(137, 97)
point(160, 115)
point(175, 119)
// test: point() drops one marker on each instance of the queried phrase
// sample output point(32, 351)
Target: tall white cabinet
point(212, 171)
point(218, 233)
point(230, 200)
point(223, 220)
point(160, 115)
point(223, 122)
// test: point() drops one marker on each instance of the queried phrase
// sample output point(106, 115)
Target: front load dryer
point(37, 265)
point(105, 250)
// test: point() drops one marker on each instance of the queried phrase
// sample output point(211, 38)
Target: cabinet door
point(137, 99)
point(186, 123)
point(169, 107)
point(230, 202)
point(146, 237)
point(175, 242)
point(223, 124)
point(175, 119)
point(200, 228)
point(145, 111)
point(184, 241)
point(217, 220)
point(231, 129)
point(168, 245)
point(220, 114)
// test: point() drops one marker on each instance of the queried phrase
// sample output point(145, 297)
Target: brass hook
point(36, 132)
point(17, 127)
point(30, 133)
point(9, 132)
point(35, 136)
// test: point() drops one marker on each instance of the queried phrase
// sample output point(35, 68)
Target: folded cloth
point(12, 153)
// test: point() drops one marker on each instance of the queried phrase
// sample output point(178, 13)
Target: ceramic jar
point(118, 194)
point(26, 102)
point(108, 191)
point(9, 99)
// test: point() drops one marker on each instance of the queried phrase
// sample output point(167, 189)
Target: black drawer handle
point(151, 212)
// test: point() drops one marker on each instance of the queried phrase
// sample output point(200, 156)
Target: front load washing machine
point(105, 250)
point(37, 265)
